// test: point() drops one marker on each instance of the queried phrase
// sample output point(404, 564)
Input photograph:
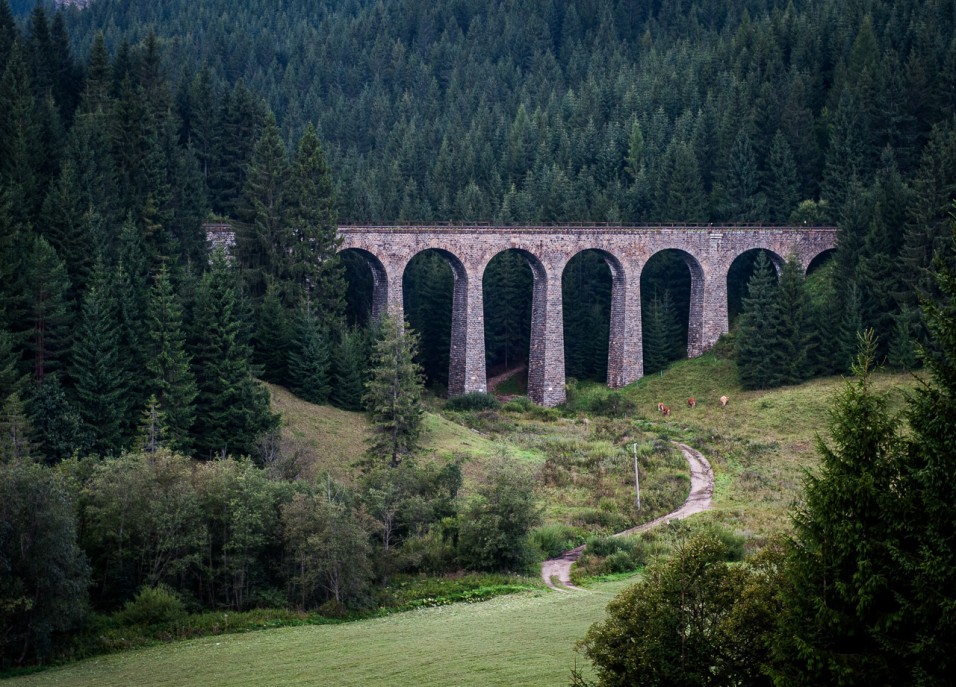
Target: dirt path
point(701, 491)
point(493, 382)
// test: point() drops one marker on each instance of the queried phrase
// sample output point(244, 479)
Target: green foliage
point(157, 605)
point(328, 550)
point(171, 376)
point(393, 393)
point(350, 368)
point(692, 620)
point(43, 588)
point(756, 334)
point(493, 531)
point(232, 409)
point(310, 359)
point(475, 400)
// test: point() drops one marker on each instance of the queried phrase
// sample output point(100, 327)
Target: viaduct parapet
point(708, 251)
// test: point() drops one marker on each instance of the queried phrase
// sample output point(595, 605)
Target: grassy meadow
point(521, 639)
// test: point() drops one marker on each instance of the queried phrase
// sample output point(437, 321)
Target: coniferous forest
point(129, 349)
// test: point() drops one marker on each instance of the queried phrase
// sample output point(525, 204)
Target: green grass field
point(522, 639)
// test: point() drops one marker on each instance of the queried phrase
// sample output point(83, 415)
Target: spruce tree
point(851, 326)
point(43, 314)
point(309, 358)
point(99, 374)
point(272, 338)
point(263, 238)
point(756, 334)
point(171, 382)
point(656, 345)
point(350, 365)
point(393, 394)
point(9, 375)
point(19, 139)
point(791, 354)
point(232, 408)
point(743, 199)
point(782, 181)
point(15, 430)
point(315, 272)
point(58, 429)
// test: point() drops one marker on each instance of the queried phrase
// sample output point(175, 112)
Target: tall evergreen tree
point(791, 354)
point(756, 334)
point(262, 238)
point(310, 358)
point(350, 364)
point(100, 377)
point(44, 314)
point(393, 396)
point(782, 181)
point(272, 338)
point(315, 272)
point(19, 139)
point(171, 382)
point(232, 409)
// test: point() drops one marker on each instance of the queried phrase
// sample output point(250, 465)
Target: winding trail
point(701, 491)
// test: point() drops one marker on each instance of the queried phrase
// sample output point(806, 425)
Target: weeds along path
point(701, 491)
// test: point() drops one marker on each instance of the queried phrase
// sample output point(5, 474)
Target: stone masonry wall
point(708, 251)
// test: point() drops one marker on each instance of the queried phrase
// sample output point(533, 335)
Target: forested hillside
point(810, 112)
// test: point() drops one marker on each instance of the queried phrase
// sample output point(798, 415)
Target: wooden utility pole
point(637, 483)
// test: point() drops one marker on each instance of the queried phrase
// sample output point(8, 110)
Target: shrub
point(475, 400)
point(613, 405)
point(157, 605)
point(521, 404)
point(553, 540)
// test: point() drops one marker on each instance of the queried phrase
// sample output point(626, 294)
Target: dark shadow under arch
point(738, 276)
point(366, 293)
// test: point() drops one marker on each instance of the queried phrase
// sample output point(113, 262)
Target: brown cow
point(660, 407)
point(723, 401)
point(666, 410)
point(691, 402)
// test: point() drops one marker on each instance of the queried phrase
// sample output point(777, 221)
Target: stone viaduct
point(708, 252)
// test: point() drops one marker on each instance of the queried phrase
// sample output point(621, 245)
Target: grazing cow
point(691, 402)
point(666, 410)
point(660, 407)
point(723, 401)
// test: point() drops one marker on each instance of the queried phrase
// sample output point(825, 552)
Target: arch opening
point(428, 289)
point(587, 284)
point(366, 285)
point(738, 276)
point(671, 308)
point(821, 261)
point(507, 294)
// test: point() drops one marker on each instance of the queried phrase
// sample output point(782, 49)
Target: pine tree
point(19, 139)
point(350, 366)
point(152, 433)
point(43, 312)
point(783, 183)
point(309, 358)
point(58, 430)
point(8, 32)
point(9, 375)
point(791, 353)
point(272, 338)
point(232, 409)
point(756, 336)
point(15, 430)
point(262, 238)
point(743, 201)
point(315, 272)
point(851, 326)
point(98, 371)
point(393, 396)
point(837, 590)
point(656, 345)
point(171, 382)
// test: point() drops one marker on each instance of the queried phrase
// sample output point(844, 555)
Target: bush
point(545, 414)
point(553, 540)
point(613, 404)
point(522, 404)
point(157, 605)
point(475, 400)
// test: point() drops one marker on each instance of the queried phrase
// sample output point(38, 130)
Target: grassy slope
point(760, 444)
point(524, 639)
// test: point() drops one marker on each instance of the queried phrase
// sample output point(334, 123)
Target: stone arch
point(623, 366)
point(546, 348)
point(695, 315)
point(815, 260)
point(465, 373)
point(380, 294)
point(738, 275)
